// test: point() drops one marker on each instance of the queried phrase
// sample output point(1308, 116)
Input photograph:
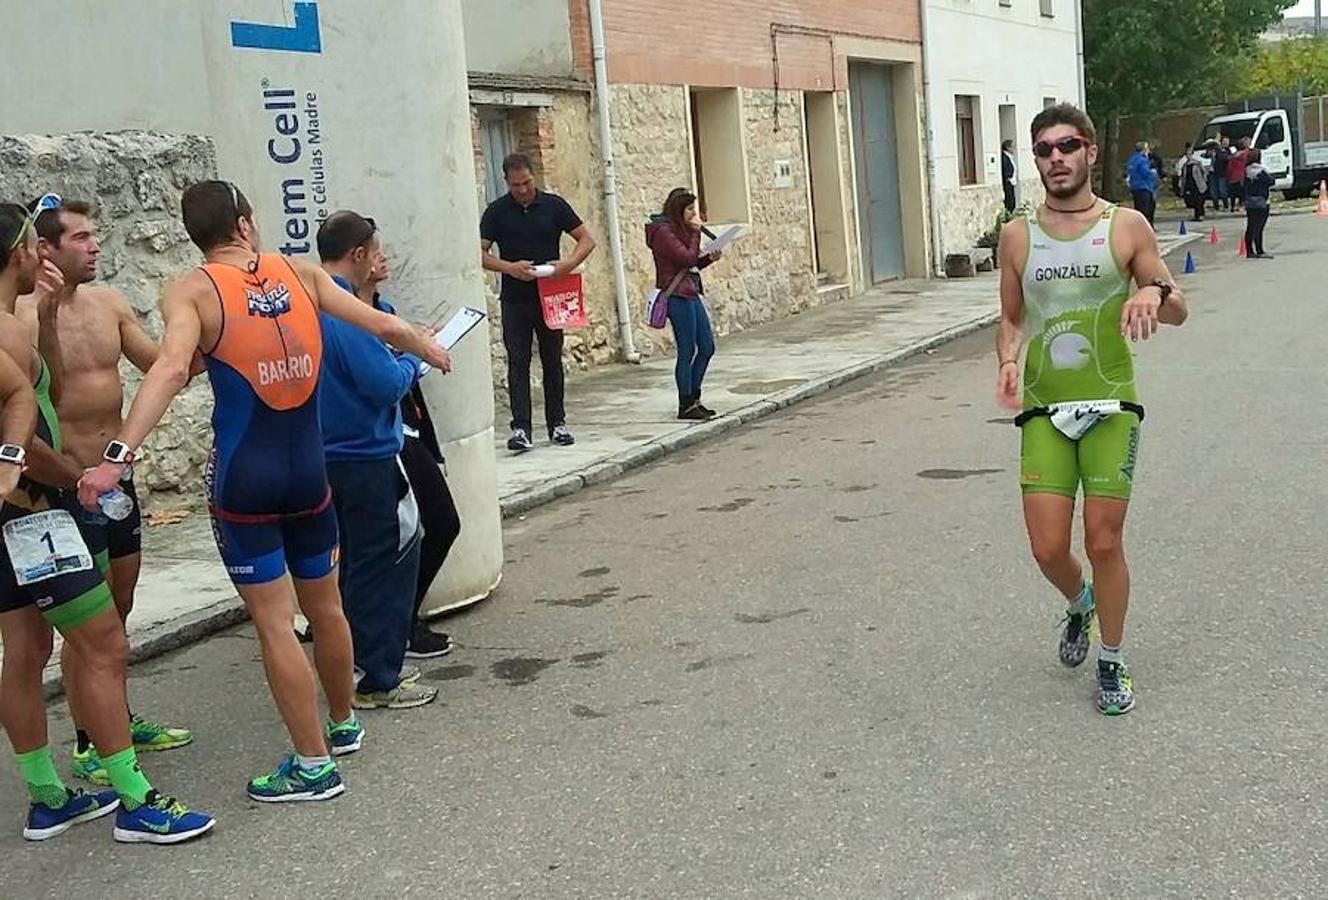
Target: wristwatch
point(1165, 288)
point(118, 452)
point(13, 454)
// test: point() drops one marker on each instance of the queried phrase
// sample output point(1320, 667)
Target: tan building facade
point(801, 123)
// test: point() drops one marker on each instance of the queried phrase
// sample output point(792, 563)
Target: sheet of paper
point(457, 327)
point(723, 239)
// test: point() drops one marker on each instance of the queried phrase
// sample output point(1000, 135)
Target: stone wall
point(969, 212)
point(134, 180)
point(766, 275)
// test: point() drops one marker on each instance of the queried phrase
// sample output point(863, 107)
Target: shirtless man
point(48, 579)
point(96, 326)
point(266, 479)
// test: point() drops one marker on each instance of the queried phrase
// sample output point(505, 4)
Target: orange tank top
point(270, 333)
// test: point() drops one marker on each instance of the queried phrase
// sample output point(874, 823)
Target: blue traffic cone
point(1189, 263)
point(1182, 228)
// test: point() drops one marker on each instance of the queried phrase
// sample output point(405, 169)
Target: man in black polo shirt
point(527, 224)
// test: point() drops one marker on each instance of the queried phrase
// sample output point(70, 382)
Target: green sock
point(127, 777)
point(44, 784)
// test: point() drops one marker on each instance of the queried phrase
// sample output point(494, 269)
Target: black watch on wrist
point(1165, 288)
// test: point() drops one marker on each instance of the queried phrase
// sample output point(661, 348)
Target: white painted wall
point(1003, 55)
point(394, 140)
point(518, 37)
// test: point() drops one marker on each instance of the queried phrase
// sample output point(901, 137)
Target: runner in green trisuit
point(1065, 281)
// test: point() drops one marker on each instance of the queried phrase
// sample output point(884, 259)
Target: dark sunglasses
point(1066, 145)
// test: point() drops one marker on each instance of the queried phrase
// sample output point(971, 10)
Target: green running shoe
point(290, 782)
point(88, 766)
point(345, 737)
point(1076, 637)
point(1115, 689)
point(151, 736)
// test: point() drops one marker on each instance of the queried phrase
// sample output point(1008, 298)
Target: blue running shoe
point(160, 820)
point(291, 782)
point(45, 823)
point(345, 737)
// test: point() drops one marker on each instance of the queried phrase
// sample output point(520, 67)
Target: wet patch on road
point(589, 660)
point(520, 669)
point(849, 520)
point(859, 488)
point(449, 673)
point(768, 617)
point(712, 662)
point(955, 474)
point(594, 598)
point(1003, 420)
point(585, 712)
point(732, 506)
point(595, 572)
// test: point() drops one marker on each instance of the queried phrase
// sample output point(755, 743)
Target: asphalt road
point(814, 659)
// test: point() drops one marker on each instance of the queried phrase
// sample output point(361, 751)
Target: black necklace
point(1071, 212)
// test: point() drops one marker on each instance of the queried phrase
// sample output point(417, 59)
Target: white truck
point(1290, 129)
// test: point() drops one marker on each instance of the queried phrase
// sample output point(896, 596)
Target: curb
point(621, 463)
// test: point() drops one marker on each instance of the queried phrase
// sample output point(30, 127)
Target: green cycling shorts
point(1103, 460)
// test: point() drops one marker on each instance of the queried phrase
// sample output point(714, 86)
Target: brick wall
point(583, 58)
point(700, 42)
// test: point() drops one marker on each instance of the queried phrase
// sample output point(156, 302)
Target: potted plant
point(992, 237)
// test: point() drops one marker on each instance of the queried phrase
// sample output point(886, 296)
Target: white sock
point(1110, 654)
point(312, 763)
point(346, 721)
point(1084, 601)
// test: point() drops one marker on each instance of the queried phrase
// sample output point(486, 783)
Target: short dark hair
point(1064, 114)
point(210, 210)
point(1007, 144)
point(50, 227)
point(342, 232)
point(1255, 154)
point(676, 206)
point(13, 221)
point(515, 162)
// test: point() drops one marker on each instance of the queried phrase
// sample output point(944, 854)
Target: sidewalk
point(623, 417)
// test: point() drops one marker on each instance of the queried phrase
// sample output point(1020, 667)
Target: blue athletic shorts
point(256, 552)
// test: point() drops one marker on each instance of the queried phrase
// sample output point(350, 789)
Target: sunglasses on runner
point(1067, 145)
point(45, 202)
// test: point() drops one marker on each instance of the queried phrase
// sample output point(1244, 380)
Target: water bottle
point(116, 504)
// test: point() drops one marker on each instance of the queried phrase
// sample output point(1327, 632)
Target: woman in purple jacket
point(675, 240)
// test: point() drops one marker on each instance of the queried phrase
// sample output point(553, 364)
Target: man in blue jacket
point(1143, 181)
point(361, 387)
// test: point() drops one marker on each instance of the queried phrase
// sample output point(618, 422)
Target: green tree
point(1284, 66)
point(1145, 56)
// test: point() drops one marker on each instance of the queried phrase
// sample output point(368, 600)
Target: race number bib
point(45, 544)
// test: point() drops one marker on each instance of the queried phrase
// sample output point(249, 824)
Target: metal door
point(880, 218)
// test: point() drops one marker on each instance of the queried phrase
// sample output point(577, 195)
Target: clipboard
point(463, 321)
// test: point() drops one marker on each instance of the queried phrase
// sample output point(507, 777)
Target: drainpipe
point(937, 259)
point(630, 353)
point(1079, 49)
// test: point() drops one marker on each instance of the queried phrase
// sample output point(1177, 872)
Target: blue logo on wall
point(302, 37)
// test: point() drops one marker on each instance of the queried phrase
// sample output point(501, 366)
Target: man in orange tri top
point(254, 318)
